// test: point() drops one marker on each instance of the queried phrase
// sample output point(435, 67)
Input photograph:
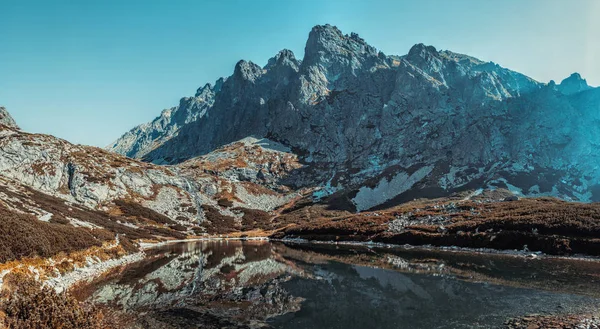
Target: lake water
point(254, 284)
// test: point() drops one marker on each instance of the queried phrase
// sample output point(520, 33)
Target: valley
point(466, 187)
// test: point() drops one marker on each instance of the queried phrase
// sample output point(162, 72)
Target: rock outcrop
point(573, 84)
point(6, 119)
point(376, 130)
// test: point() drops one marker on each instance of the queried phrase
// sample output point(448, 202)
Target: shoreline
point(370, 244)
point(94, 270)
point(451, 249)
point(64, 282)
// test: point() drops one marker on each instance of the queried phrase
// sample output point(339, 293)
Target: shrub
point(25, 236)
point(225, 203)
point(178, 227)
point(254, 219)
point(27, 305)
point(218, 223)
point(164, 232)
point(137, 210)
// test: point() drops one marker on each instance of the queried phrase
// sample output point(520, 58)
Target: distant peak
point(219, 84)
point(202, 91)
point(329, 47)
point(246, 70)
point(421, 50)
point(322, 38)
point(325, 29)
point(285, 57)
point(573, 84)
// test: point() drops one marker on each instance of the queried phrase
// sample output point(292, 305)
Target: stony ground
point(537, 321)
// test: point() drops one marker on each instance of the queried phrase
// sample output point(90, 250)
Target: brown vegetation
point(25, 236)
point(542, 224)
point(217, 223)
point(136, 210)
point(225, 203)
point(24, 199)
point(28, 305)
point(254, 219)
point(256, 189)
point(163, 231)
point(178, 227)
point(305, 211)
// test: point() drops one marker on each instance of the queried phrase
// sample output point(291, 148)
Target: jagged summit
point(285, 57)
point(421, 50)
point(329, 39)
point(6, 119)
point(338, 54)
point(245, 70)
point(573, 84)
point(377, 129)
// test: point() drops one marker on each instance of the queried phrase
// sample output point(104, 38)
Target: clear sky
point(88, 71)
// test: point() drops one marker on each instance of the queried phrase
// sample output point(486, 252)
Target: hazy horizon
point(88, 72)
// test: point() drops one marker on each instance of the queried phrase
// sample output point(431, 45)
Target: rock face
point(6, 119)
point(375, 130)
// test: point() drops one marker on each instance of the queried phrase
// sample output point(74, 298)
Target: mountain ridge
point(374, 129)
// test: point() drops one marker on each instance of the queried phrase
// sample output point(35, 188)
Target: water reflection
point(261, 284)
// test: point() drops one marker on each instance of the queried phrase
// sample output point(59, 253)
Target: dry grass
point(542, 224)
point(253, 219)
point(225, 203)
point(256, 189)
point(28, 305)
point(136, 210)
point(217, 223)
point(25, 236)
point(22, 225)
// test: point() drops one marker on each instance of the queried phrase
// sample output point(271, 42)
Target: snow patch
point(367, 198)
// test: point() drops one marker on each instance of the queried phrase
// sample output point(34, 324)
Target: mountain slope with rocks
point(213, 193)
point(375, 130)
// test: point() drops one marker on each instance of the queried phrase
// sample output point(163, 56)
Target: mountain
point(573, 84)
point(374, 130)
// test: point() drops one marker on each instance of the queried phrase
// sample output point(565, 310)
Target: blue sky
point(88, 71)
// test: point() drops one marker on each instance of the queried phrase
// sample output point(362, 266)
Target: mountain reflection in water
point(253, 284)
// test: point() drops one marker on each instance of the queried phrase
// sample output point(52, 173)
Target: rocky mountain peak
point(245, 70)
point(327, 39)
point(6, 119)
point(573, 84)
point(428, 59)
point(285, 58)
point(331, 58)
point(423, 51)
point(204, 91)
